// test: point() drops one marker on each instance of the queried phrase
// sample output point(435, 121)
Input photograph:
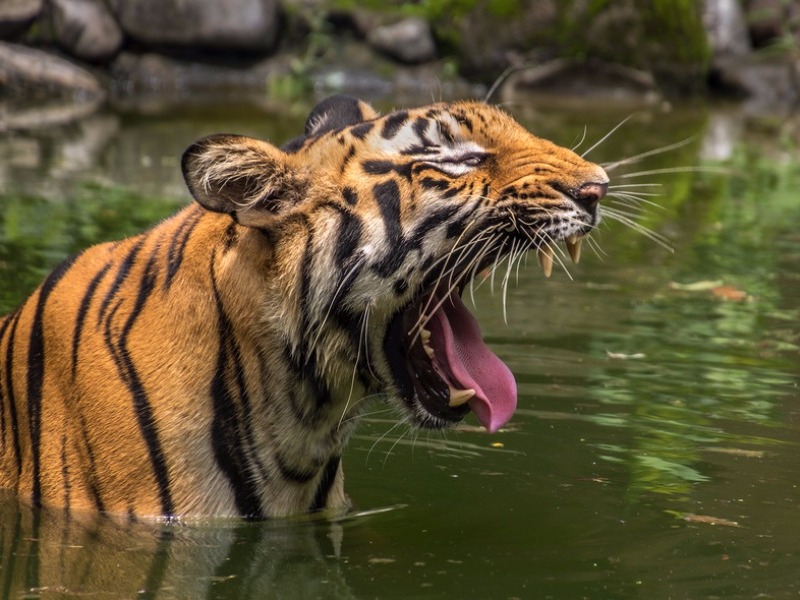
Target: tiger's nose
point(589, 194)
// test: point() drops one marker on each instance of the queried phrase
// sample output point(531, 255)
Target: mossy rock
point(664, 37)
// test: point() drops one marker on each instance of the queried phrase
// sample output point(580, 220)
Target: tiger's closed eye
point(472, 159)
point(468, 159)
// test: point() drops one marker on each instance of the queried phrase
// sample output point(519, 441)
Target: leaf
point(729, 293)
point(697, 286)
point(621, 356)
point(708, 520)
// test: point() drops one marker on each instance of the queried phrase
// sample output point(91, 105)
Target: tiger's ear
point(246, 178)
point(337, 112)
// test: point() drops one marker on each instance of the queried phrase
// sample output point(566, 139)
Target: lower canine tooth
point(425, 335)
point(574, 248)
point(459, 397)
point(546, 260)
point(428, 350)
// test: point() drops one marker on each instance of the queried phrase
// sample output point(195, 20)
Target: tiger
point(216, 364)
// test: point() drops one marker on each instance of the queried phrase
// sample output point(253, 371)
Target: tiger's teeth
point(425, 334)
point(545, 254)
point(459, 397)
point(428, 350)
point(574, 248)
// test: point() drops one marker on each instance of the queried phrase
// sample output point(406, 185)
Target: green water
point(654, 452)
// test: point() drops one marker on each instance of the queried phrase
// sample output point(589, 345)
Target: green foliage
point(36, 233)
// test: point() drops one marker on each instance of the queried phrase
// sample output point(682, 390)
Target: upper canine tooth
point(574, 248)
point(459, 397)
point(545, 255)
point(425, 335)
point(428, 350)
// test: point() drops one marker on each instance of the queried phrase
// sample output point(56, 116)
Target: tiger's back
point(213, 364)
point(70, 390)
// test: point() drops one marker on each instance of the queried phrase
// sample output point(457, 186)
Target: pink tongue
point(459, 347)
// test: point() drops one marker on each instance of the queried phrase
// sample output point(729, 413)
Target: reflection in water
point(46, 553)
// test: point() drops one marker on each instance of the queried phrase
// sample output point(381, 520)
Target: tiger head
point(374, 225)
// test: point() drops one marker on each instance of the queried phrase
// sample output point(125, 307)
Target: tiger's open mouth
point(446, 367)
point(441, 364)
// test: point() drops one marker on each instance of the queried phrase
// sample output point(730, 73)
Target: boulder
point(771, 21)
point(17, 15)
point(86, 29)
point(27, 73)
point(409, 40)
point(767, 81)
point(250, 25)
point(664, 38)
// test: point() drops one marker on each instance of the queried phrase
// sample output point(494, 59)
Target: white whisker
point(688, 169)
point(625, 219)
point(636, 158)
point(606, 136)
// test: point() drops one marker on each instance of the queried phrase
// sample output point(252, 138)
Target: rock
point(27, 73)
point(17, 15)
point(770, 21)
point(726, 28)
point(634, 33)
point(85, 29)
point(570, 79)
point(151, 73)
point(765, 18)
point(250, 25)
point(409, 40)
point(484, 54)
point(770, 81)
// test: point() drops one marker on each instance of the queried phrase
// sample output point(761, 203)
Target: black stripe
point(305, 368)
point(393, 124)
point(400, 286)
point(421, 129)
point(445, 132)
point(35, 378)
point(177, 245)
point(429, 183)
point(228, 444)
point(141, 404)
point(65, 472)
point(81, 317)
point(387, 195)
point(122, 274)
point(12, 402)
point(4, 323)
point(433, 166)
point(94, 491)
point(348, 157)
point(294, 474)
point(362, 130)
point(305, 294)
point(325, 484)
point(384, 167)
point(348, 239)
point(462, 119)
point(350, 196)
point(127, 370)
